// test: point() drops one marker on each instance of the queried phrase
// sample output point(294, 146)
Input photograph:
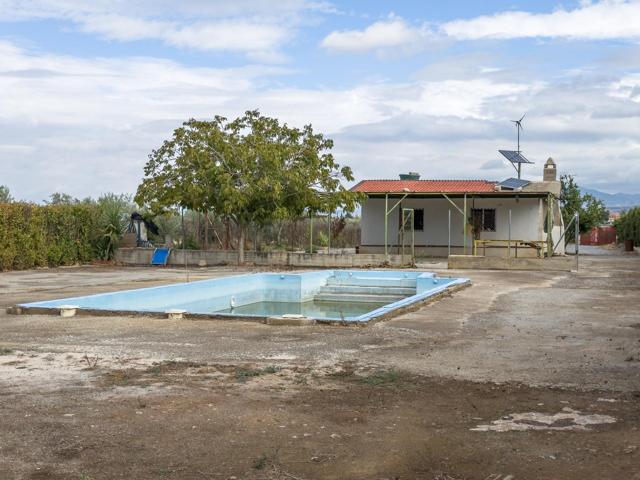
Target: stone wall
point(203, 258)
point(461, 262)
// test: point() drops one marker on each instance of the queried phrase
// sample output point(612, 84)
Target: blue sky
point(88, 89)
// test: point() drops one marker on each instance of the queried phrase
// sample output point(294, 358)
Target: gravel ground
point(522, 375)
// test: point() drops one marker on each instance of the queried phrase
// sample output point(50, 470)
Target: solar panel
point(513, 183)
point(514, 156)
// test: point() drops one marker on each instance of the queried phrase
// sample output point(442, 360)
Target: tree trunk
point(227, 233)
point(241, 233)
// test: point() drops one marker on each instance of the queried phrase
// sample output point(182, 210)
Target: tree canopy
point(592, 210)
point(628, 226)
point(251, 170)
point(5, 194)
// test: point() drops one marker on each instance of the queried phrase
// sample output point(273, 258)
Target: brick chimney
point(550, 171)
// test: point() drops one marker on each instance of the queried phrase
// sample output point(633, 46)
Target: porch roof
point(452, 188)
point(425, 186)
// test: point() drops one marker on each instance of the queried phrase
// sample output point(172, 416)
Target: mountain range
point(615, 201)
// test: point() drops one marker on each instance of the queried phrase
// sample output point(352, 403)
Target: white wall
point(527, 218)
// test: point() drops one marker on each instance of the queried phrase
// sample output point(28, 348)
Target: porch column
point(549, 226)
point(464, 226)
point(386, 234)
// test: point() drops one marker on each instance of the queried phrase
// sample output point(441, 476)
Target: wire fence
point(205, 232)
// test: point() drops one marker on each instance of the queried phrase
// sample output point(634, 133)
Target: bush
point(628, 226)
point(50, 235)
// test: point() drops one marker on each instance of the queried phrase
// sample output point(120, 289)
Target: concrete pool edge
point(390, 311)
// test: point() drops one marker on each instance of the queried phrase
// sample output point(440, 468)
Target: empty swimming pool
point(327, 295)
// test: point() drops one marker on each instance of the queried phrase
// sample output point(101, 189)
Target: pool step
point(368, 290)
point(373, 281)
point(352, 297)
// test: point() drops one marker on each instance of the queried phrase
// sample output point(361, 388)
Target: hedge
point(628, 226)
point(46, 235)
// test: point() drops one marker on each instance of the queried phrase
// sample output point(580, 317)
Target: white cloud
point(257, 28)
point(385, 34)
point(608, 19)
point(86, 125)
point(230, 36)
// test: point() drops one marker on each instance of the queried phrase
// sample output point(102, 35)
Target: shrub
point(50, 235)
point(628, 226)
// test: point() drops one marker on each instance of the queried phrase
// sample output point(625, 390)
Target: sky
point(89, 89)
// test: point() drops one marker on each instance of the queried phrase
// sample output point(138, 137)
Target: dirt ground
point(524, 375)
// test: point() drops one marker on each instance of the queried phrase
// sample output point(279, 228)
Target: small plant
point(260, 462)
point(118, 377)
point(244, 373)
point(381, 377)
point(5, 351)
point(92, 363)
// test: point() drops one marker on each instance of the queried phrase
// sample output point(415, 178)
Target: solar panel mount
point(514, 156)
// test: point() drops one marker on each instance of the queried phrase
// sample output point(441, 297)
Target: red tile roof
point(424, 186)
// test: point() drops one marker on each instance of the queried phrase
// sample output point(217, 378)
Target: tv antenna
point(515, 156)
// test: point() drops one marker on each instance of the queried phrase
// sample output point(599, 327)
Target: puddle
point(567, 419)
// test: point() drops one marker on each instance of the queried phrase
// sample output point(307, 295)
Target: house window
point(418, 219)
point(484, 219)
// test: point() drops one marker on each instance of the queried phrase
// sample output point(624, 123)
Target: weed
point(260, 462)
point(243, 373)
point(168, 366)
point(5, 351)
point(381, 377)
point(92, 363)
point(118, 377)
point(347, 371)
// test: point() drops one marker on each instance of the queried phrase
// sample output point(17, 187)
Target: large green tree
point(251, 170)
point(592, 210)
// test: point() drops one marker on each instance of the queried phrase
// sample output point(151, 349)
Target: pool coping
point(385, 312)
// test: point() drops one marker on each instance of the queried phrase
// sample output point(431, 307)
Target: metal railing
point(539, 245)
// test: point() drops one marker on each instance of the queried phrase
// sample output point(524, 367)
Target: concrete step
point(373, 281)
point(341, 297)
point(368, 290)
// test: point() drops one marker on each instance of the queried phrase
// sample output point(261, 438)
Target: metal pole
point(184, 241)
point(402, 236)
point(509, 244)
point(386, 220)
point(413, 237)
point(329, 241)
point(563, 233)
point(577, 241)
point(449, 241)
point(464, 226)
point(550, 222)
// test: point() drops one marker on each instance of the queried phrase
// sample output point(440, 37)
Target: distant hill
point(615, 201)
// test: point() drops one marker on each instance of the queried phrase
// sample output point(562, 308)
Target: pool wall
point(206, 296)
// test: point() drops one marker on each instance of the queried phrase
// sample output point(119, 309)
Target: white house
point(514, 217)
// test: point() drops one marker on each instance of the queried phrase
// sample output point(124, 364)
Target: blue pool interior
point(350, 295)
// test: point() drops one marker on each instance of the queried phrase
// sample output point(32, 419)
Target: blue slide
point(160, 256)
